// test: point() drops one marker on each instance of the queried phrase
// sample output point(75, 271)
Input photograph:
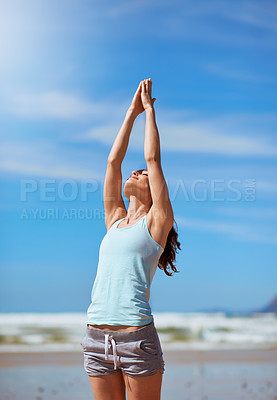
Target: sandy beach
point(203, 375)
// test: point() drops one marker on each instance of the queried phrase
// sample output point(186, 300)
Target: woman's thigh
point(146, 388)
point(108, 387)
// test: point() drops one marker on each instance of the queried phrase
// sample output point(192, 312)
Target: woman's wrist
point(149, 110)
point(132, 112)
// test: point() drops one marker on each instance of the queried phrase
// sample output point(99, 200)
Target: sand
point(172, 357)
point(189, 375)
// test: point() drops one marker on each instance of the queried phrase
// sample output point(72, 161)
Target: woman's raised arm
point(161, 208)
point(113, 201)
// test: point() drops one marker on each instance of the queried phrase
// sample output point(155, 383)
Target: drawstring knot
point(111, 338)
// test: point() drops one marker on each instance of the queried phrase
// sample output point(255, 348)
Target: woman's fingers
point(139, 88)
point(143, 86)
point(147, 86)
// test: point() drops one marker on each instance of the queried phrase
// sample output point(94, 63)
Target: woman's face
point(138, 185)
point(142, 172)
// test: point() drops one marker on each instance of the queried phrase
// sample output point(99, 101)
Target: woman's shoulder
point(110, 222)
point(158, 228)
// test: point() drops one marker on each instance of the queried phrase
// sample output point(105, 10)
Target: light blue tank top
point(128, 260)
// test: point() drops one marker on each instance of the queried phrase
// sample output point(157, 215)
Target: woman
point(121, 345)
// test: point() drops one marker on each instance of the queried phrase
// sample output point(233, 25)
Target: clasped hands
point(142, 99)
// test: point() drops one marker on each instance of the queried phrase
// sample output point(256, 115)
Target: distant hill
point(270, 307)
point(223, 310)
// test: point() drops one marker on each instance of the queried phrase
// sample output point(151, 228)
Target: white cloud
point(222, 22)
point(120, 9)
point(180, 130)
point(205, 138)
point(248, 13)
point(265, 213)
point(267, 186)
point(253, 13)
point(234, 231)
point(225, 135)
point(57, 104)
point(43, 158)
point(235, 74)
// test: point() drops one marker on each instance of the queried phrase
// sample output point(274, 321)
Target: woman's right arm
point(113, 201)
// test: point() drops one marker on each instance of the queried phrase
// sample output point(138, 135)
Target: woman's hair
point(168, 257)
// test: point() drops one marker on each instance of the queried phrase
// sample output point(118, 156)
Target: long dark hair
point(168, 257)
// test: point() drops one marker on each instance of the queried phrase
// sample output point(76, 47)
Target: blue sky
point(69, 71)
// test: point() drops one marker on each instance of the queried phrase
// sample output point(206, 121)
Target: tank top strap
point(116, 223)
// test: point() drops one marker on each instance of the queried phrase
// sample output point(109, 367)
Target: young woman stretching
point(121, 347)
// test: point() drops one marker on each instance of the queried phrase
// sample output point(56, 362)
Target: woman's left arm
point(161, 207)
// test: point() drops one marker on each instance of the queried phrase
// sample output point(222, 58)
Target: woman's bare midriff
point(119, 328)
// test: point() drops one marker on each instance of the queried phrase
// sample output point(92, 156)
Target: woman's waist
point(117, 328)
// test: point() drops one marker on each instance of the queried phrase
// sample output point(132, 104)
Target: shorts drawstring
point(107, 338)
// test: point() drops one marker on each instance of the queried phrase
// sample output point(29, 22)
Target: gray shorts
point(136, 353)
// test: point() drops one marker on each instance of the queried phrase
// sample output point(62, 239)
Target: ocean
point(63, 332)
